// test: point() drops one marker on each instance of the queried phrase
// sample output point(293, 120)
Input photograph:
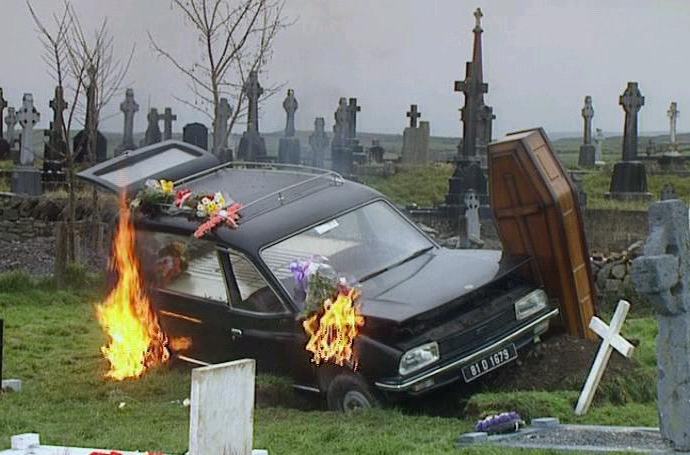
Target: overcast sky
point(541, 57)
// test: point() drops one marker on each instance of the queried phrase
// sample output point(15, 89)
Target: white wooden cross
point(611, 339)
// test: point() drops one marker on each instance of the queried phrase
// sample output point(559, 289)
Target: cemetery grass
point(52, 343)
point(425, 186)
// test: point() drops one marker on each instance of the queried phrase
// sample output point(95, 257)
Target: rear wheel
point(349, 393)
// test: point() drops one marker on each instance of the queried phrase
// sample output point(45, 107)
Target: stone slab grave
point(220, 422)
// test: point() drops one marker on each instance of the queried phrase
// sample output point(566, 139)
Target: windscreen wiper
point(392, 266)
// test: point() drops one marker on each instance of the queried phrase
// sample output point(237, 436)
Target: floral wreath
point(211, 208)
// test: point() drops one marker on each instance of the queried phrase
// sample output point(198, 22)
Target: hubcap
point(354, 400)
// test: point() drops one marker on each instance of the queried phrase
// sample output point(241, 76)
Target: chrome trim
point(408, 384)
point(193, 361)
point(306, 388)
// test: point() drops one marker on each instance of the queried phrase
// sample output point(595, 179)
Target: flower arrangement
point(505, 422)
point(212, 208)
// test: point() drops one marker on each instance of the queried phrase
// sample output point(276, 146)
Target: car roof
point(277, 202)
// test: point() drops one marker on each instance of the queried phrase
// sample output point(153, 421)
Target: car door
point(189, 292)
point(263, 326)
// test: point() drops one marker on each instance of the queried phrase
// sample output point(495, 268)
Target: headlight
point(419, 357)
point(531, 304)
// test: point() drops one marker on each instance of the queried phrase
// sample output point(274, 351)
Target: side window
point(182, 264)
point(255, 293)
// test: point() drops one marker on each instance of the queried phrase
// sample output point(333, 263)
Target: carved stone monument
point(220, 132)
point(341, 153)
point(252, 145)
point(663, 275)
point(476, 129)
point(629, 179)
point(196, 134)
point(376, 151)
point(153, 133)
point(26, 179)
point(318, 140)
point(4, 144)
point(587, 156)
point(673, 114)
point(598, 144)
point(415, 148)
point(55, 149)
point(168, 119)
point(472, 225)
point(668, 192)
point(289, 149)
point(671, 159)
point(129, 108)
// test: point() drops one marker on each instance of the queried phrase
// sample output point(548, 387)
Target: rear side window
point(255, 294)
point(182, 264)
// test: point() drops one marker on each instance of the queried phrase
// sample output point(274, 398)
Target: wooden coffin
point(537, 214)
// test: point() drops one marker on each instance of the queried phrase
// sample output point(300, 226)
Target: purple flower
point(301, 270)
point(500, 423)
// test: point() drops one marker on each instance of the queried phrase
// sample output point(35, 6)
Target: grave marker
point(611, 339)
point(587, 151)
point(153, 133)
point(289, 149)
point(129, 108)
point(168, 119)
point(252, 145)
point(413, 114)
point(11, 122)
point(318, 141)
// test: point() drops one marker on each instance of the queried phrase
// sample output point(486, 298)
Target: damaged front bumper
point(451, 371)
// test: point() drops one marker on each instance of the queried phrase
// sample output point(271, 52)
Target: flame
point(333, 330)
point(135, 339)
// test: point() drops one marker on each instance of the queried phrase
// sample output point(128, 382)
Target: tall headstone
point(629, 179)
point(341, 153)
point(153, 133)
point(289, 149)
point(168, 119)
point(598, 144)
point(26, 179)
point(252, 145)
point(673, 114)
point(477, 121)
point(587, 150)
point(129, 108)
point(55, 149)
point(196, 134)
point(376, 152)
point(663, 275)
point(415, 148)
point(4, 144)
point(353, 109)
point(318, 140)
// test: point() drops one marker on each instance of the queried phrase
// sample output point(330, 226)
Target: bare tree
point(236, 37)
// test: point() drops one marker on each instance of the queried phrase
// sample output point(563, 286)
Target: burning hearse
point(401, 315)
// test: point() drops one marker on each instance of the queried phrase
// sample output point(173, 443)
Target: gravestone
point(168, 119)
point(341, 153)
point(289, 149)
point(671, 160)
point(318, 140)
point(129, 108)
point(662, 274)
point(376, 151)
point(668, 192)
point(629, 179)
point(222, 409)
point(220, 132)
point(358, 154)
point(196, 134)
point(472, 224)
point(415, 148)
point(4, 143)
point(673, 114)
point(26, 179)
point(587, 156)
point(153, 133)
point(55, 150)
point(599, 143)
point(252, 145)
point(11, 122)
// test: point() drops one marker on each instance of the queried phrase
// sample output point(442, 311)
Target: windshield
point(358, 244)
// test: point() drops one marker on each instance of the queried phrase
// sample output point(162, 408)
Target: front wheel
point(349, 393)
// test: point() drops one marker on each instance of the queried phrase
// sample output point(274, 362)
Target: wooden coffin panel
point(537, 214)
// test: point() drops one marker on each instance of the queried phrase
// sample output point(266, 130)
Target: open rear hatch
point(170, 160)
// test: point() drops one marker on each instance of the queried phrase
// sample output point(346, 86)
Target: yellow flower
point(167, 186)
point(219, 199)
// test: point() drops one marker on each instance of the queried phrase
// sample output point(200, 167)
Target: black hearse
point(432, 315)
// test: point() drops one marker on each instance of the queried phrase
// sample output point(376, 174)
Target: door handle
point(235, 333)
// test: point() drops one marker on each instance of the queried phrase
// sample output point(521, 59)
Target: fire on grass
point(136, 340)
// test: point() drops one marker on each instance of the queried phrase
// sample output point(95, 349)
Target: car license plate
point(489, 362)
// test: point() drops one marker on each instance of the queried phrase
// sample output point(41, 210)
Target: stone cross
point(610, 340)
point(632, 101)
point(478, 20)
point(290, 105)
point(56, 146)
point(168, 119)
point(663, 275)
point(220, 132)
point(11, 121)
point(318, 141)
point(153, 130)
point(129, 108)
point(587, 114)
point(353, 109)
point(58, 105)
point(673, 118)
point(472, 225)
point(27, 117)
point(342, 119)
point(598, 142)
point(253, 91)
point(222, 409)
point(413, 115)
point(3, 105)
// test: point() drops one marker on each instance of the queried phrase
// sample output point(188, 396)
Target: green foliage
point(425, 186)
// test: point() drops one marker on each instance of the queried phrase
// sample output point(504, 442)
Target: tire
point(349, 393)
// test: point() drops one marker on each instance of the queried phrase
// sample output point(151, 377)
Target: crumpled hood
point(431, 280)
